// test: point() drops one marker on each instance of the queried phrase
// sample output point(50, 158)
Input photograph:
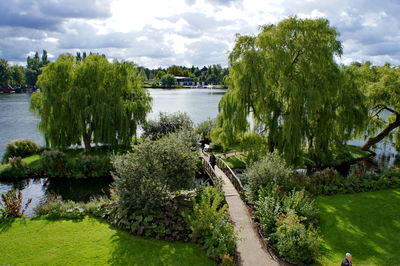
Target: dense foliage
point(54, 207)
point(57, 164)
point(210, 224)
point(94, 101)
point(147, 185)
point(270, 170)
point(381, 86)
point(20, 148)
point(167, 81)
point(204, 128)
point(296, 242)
point(287, 78)
point(166, 124)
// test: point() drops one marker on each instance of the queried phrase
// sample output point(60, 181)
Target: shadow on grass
point(134, 250)
point(5, 224)
point(364, 224)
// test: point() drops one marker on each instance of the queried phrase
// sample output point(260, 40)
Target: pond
point(17, 122)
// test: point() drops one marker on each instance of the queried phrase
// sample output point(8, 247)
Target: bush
point(287, 219)
point(268, 171)
point(296, 242)
point(329, 182)
point(91, 166)
point(56, 208)
point(20, 148)
point(210, 224)
point(55, 164)
point(164, 222)
point(204, 130)
point(168, 123)
point(147, 182)
point(11, 204)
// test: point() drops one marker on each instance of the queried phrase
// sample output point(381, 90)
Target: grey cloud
point(49, 14)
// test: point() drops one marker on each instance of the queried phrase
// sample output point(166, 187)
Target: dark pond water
point(40, 189)
point(17, 122)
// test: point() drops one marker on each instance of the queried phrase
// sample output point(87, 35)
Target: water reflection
point(69, 189)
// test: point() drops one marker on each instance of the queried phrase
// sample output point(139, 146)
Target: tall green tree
point(93, 101)
point(17, 74)
point(381, 85)
point(4, 73)
point(167, 80)
point(34, 67)
point(286, 77)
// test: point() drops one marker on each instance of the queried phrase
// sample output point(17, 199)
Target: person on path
point(347, 260)
point(203, 145)
point(212, 160)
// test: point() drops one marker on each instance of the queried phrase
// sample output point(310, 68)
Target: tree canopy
point(381, 86)
point(93, 100)
point(286, 77)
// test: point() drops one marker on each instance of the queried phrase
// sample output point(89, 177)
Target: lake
point(17, 122)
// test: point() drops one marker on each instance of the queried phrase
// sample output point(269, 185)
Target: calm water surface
point(17, 122)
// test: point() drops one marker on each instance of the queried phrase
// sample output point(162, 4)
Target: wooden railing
point(211, 172)
point(231, 175)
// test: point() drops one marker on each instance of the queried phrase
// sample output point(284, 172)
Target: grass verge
point(88, 241)
point(364, 224)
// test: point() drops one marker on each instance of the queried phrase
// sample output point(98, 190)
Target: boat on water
point(8, 89)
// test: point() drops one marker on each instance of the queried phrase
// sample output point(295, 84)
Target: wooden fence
point(231, 175)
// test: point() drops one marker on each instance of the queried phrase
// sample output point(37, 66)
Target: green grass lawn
point(87, 242)
point(364, 224)
point(236, 161)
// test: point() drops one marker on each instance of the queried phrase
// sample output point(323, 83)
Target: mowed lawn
point(364, 224)
point(87, 242)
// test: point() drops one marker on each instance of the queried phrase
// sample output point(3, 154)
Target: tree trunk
point(373, 140)
point(87, 139)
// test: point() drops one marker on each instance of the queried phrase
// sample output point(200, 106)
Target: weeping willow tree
point(381, 85)
point(93, 101)
point(287, 79)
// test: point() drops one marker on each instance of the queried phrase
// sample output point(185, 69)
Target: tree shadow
point(134, 250)
point(5, 224)
point(364, 224)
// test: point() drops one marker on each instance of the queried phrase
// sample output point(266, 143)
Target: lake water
point(17, 122)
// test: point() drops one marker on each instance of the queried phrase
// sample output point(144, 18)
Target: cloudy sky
point(185, 32)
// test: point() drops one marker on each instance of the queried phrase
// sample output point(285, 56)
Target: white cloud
point(186, 32)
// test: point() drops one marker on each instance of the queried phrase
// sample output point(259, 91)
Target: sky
point(186, 32)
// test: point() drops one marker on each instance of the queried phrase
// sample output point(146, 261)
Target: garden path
point(249, 246)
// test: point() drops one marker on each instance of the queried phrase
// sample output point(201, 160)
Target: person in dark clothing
point(203, 145)
point(347, 260)
point(212, 160)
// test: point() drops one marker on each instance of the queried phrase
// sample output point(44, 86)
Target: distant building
point(187, 81)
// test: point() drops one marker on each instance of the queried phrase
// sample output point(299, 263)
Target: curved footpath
point(249, 246)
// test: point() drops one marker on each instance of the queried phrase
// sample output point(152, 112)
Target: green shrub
point(91, 166)
point(329, 182)
point(296, 242)
point(210, 224)
point(147, 182)
point(302, 204)
point(204, 129)
point(164, 222)
point(11, 204)
point(55, 164)
point(268, 171)
point(168, 123)
point(56, 208)
point(268, 208)
point(20, 148)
